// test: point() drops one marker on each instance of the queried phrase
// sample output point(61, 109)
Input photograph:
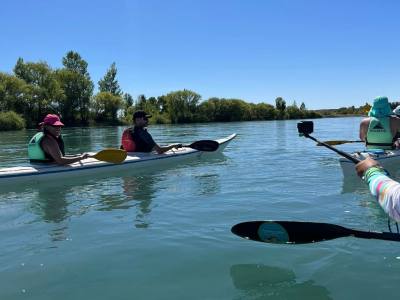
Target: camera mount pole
point(306, 127)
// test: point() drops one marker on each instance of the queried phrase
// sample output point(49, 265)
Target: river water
point(164, 233)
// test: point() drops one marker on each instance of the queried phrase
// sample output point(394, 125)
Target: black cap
point(141, 114)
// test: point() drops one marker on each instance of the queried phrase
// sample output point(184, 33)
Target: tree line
point(35, 89)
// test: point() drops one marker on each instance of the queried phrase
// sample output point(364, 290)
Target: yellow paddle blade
point(115, 156)
point(340, 142)
point(332, 143)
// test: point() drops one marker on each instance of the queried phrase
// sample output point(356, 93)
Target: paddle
point(307, 127)
point(110, 155)
point(339, 142)
point(204, 145)
point(288, 232)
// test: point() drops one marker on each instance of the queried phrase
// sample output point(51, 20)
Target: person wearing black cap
point(138, 139)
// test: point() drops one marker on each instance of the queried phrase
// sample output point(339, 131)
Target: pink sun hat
point(52, 120)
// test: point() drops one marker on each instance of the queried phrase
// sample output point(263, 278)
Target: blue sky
point(327, 54)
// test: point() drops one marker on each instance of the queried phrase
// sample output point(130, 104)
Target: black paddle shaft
point(342, 153)
point(303, 232)
point(307, 127)
point(387, 236)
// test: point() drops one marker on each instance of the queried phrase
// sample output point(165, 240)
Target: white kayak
point(389, 159)
point(90, 166)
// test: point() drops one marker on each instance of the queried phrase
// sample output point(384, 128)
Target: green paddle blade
point(115, 156)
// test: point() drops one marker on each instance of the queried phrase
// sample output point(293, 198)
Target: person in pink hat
point(48, 145)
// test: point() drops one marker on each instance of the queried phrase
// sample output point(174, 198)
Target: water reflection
point(52, 206)
point(261, 282)
point(141, 190)
point(280, 134)
point(208, 184)
point(55, 202)
point(354, 185)
point(357, 191)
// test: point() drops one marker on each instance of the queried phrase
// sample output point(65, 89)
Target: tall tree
point(109, 83)
point(78, 88)
point(264, 111)
point(127, 103)
point(162, 103)
point(106, 106)
point(141, 102)
point(182, 105)
point(14, 94)
point(280, 105)
point(293, 112)
point(45, 89)
point(128, 99)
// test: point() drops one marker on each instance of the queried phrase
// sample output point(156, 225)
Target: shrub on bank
point(160, 119)
point(11, 121)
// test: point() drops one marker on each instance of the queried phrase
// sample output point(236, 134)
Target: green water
point(165, 233)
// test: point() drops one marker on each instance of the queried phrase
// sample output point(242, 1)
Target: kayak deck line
point(36, 171)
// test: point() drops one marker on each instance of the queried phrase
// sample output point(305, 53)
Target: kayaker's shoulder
point(130, 128)
point(366, 120)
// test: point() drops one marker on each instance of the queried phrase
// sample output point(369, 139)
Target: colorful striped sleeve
point(386, 191)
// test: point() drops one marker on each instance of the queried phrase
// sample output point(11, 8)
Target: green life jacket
point(35, 151)
point(379, 134)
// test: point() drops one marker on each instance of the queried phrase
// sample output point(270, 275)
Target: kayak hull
point(389, 159)
point(90, 166)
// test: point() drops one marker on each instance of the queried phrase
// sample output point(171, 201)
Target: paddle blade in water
point(286, 232)
point(114, 156)
point(204, 145)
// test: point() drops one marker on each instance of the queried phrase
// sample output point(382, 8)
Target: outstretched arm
point(50, 146)
point(162, 149)
point(385, 189)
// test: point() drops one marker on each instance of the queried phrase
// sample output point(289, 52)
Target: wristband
point(373, 170)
